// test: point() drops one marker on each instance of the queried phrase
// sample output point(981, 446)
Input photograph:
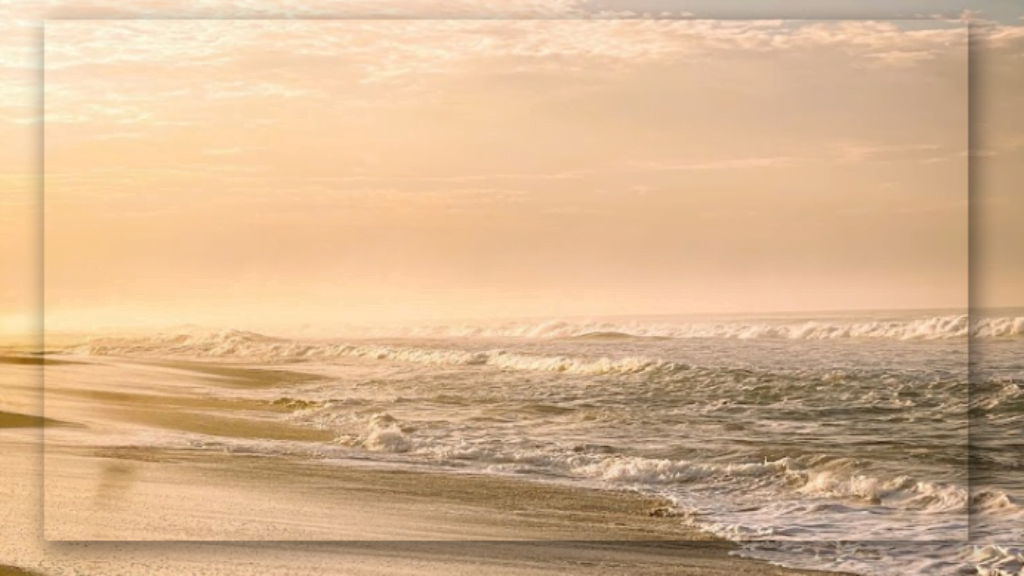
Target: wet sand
point(15, 571)
point(16, 420)
point(238, 497)
point(34, 360)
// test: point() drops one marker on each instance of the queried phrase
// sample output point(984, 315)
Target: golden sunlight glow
point(294, 171)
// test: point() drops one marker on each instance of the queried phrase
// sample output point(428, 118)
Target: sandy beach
point(107, 507)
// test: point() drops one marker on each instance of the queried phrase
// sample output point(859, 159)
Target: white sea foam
point(232, 343)
point(996, 503)
point(925, 328)
point(900, 491)
point(832, 479)
point(241, 343)
point(385, 435)
point(645, 471)
point(997, 560)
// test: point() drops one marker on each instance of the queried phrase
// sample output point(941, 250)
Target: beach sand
point(15, 420)
point(15, 571)
point(106, 510)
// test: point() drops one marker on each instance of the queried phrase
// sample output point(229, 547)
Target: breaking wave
point(240, 343)
point(233, 343)
point(830, 479)
point(930, 328)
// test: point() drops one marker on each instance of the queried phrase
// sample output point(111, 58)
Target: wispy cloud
point(723, 164)
point(376, 46)
point(852, 153)
point(562, 175)
point(223, 151)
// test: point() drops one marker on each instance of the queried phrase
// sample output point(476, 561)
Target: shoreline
point(19, 420)
point(475, 523)
point(424, 505)
point(148, 510)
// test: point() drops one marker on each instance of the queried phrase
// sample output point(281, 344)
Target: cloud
point(242, 9)
point(1009, 141)
point(227, 90)
point(992, 34)
point(852, 153)
point(223, 151)
point(120, 136)
point(563, 175)
point(903, 57)
point(381, 50)
point(727, 164)
point(87, 61)
point(841, 153)
point(75, 112)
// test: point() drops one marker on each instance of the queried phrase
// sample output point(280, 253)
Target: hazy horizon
point(299, 325)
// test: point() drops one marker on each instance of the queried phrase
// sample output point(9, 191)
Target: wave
point(246, 343)
point(233, 343)
point(1002, 327)
point(604, 336)
point(930, 328)
point(900, 492)
point(251, 347)
point(837, 480)
point(809, 481)
point(383, 434)
point(997, 560)
point(823, 481)
point(993, 502)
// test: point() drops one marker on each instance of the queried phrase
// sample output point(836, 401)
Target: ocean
point(883, 443)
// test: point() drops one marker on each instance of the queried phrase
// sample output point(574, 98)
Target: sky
point(240, 172)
